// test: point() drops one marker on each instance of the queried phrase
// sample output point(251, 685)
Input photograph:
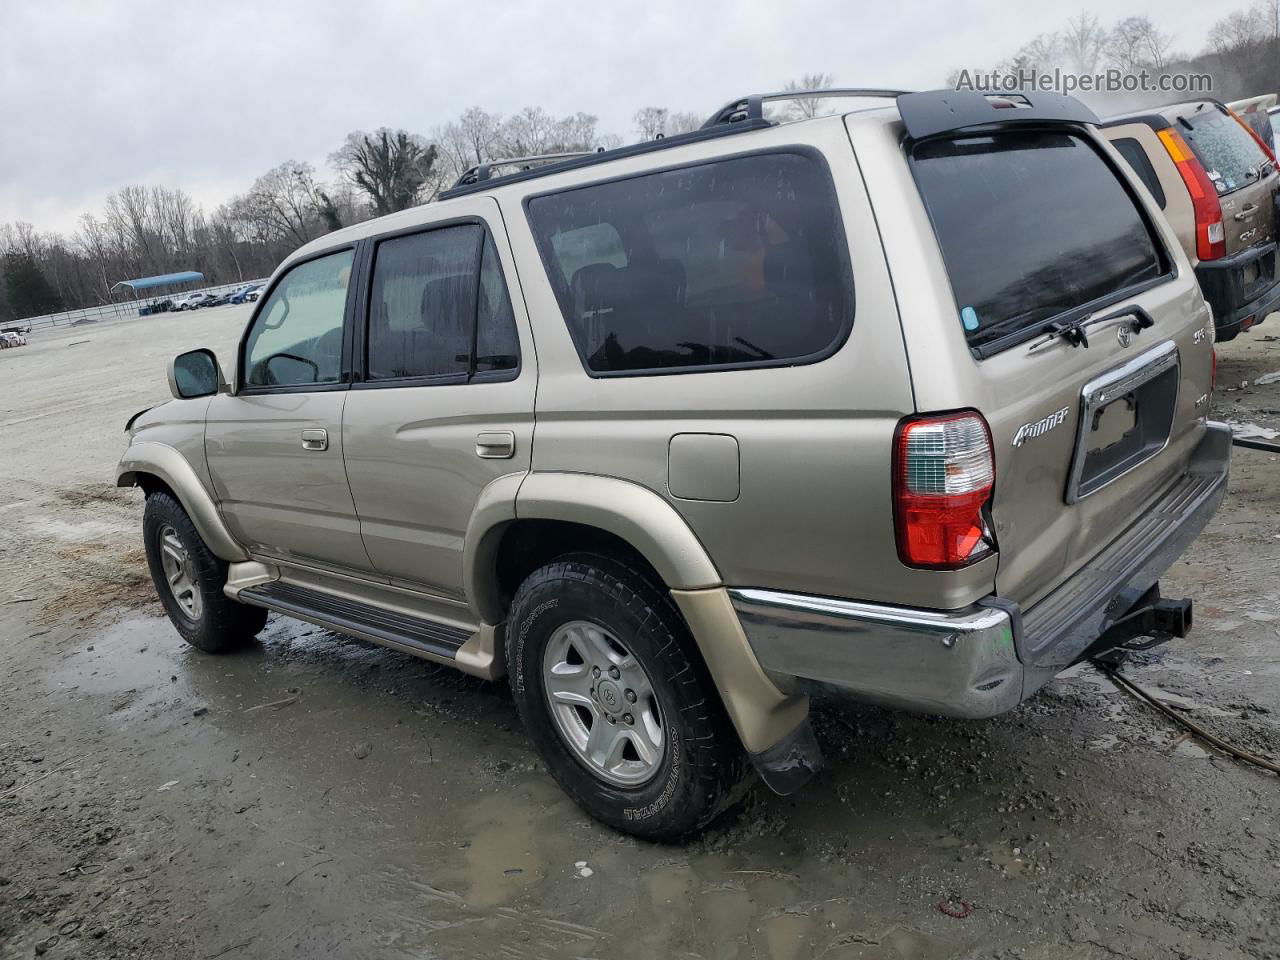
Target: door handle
point(1247, 211)
point(315, 439)
point(496, 445)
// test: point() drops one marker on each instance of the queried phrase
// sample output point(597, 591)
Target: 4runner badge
point(1029, 431)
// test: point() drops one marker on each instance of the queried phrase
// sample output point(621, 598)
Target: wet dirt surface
point(315, 796)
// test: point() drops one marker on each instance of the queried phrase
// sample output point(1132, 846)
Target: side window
point(738, 262)
point(1136, 157)
point(497, 345)
point(296, 337)
point(422, 304)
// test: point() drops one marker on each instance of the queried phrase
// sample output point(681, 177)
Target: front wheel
point(609, 684)
point(189, 579)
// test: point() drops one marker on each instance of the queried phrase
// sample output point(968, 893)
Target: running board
point(411, 634)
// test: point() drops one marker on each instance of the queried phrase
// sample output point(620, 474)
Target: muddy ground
point(316, 796)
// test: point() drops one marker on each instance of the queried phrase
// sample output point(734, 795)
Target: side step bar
point(411, 634)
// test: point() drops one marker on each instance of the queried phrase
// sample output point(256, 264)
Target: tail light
point(1211, 235)
point(1266, 149)
point(944, 470)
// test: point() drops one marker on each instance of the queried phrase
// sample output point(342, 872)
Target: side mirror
point(195, 374)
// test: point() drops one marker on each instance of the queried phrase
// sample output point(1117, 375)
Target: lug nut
point(611, 718)
point(595, 672)
point(614, 672)
point(628, 718)
point(631, 696)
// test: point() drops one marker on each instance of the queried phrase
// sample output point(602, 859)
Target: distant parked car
point(242, 294)
point(254, 293)
point(10, 339)
point(191, 301)
point(219, 299)
point(1216, 181)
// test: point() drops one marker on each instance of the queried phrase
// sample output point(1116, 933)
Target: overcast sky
point(206, 96)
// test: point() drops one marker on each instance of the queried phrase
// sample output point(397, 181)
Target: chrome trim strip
point(843, 612)
point(1099, 391)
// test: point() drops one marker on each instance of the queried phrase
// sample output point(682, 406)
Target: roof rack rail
point(483, 171)
point(474, 179)
point(751, 107)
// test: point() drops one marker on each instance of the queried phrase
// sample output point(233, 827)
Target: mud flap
point(791, 762)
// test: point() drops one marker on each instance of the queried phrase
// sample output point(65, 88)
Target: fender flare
point(629, 511)
point(166, 463)
point(763, 715)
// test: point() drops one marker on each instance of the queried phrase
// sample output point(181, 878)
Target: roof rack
point(474, 179)
point(752, 107)
point(484, 171)
point(924, 114)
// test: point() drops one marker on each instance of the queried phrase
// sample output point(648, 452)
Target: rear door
point(1245, 176)
point(442, 405)
point(1048, 245)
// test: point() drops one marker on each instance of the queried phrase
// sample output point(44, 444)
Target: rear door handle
point(1247, 211)
point(496, 445)
point(315, 439)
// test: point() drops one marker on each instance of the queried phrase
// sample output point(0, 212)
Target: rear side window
point(1136, 157)
point(739, 262)
point(1033, 226)
point(1229, 154)
point(439, 308)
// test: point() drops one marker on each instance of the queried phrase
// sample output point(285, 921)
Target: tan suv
point(1216, 181)
point(910, 402)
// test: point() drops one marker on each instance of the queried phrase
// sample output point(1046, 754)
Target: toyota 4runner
point(910, 403)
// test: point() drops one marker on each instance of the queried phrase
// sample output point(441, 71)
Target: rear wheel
point(609, 685)
point(189, 579)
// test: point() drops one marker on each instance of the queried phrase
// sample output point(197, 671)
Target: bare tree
point(1137, 43)
point(808, 107)
point(471, 139)
point(651, 122)
point(1239, 30)
point(1084, 41)
point(391, 166)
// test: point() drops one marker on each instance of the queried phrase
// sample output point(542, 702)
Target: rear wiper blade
point(1075, 332)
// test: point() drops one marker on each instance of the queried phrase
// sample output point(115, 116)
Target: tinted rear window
point(1136, 157)
point(739, 262)
point(1032, 226)
point(1231, 156)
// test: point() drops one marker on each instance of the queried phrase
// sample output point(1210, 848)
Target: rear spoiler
point(935, 112)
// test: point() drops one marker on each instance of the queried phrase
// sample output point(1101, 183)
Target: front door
point(275, 445)
point(442, 403)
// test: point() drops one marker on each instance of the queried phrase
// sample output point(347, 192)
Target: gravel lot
point(317, 796)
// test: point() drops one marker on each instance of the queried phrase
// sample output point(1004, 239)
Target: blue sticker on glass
point(969, 317)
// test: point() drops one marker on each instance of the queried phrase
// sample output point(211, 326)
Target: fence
point(114, 311)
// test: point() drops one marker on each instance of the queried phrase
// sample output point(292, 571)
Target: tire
point(695, 769)
point(189, 580)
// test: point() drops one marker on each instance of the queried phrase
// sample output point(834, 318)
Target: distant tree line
point(1241, 52)
point(150, 230)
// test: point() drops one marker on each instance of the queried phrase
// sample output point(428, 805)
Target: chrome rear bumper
point(983, 660)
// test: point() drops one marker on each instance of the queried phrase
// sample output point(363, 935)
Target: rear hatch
point(1088, 350)
point(1245, 177)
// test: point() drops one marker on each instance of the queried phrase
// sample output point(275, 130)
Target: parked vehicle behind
point(813, 405)
point(242, 294)
point(1216, 182)
point(192, 301)
point(12, 339)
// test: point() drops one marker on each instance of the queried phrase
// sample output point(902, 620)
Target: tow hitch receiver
point(1150, 622)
